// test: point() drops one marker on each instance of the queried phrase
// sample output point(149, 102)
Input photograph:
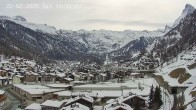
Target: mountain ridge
point(48, 42)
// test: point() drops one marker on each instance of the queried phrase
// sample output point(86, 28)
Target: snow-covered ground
point(183, 60)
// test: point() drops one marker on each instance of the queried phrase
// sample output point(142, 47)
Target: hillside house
point(48, 78)
point(117, 106)
point(133, 99)
point(18, 79)
point(31, 77)
point(102, 77)
point(3, 98)
point(3, 80)
point(52, 105)
point(82, 99)
point(76, 106)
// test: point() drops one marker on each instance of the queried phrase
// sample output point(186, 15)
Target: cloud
point(100, 14)
point(126, 23)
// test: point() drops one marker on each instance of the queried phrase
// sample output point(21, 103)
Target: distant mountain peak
point(167, 28)
point(187, 10)
point(16, 18)
point(19, 18)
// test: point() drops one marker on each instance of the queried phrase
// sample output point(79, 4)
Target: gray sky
point(97, 14)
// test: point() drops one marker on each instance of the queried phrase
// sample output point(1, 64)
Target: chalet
point(83, 76)
point(110, 75)
point(52, 105)
point(3, 80)
point(60, 77)
point(17, 79)
point(3, 73)
point(90, 77)
point(5, 63)
point(82, 99)
point(120, 75)
point(48, 78)
point(76, 106)
point(131, 100)
point(31, 77)
point(117, 106)
point(3, 98)
point(74, 76)
point(102, 77)
point(96, 77)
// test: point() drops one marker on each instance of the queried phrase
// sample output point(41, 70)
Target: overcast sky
point(97, 14)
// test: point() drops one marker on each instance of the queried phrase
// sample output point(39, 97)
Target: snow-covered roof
point(58, 85)
point(53, 103)
point(69, 79)
point(102, 74)
point(2, 70)
point(36, 89)
point(2, 92)
point(83, 73)
point(5, 62)
point(110, 101)
point(34, 106)
point(76, 106)
point(103, 93)
point(74, 74)
point(135, 73)
point(91, 75)
point(82, 96)
point(32, 73)
point(31, 63)
point(127, 97)
point(98, 107)
point(60, 74)
point(81, 82)
point(18, 76)
point(117, 105)
point(87, 98)
point(1, 78)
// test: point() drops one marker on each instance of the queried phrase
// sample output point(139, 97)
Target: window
point(174, 90)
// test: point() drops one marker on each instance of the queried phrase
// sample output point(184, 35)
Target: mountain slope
point(45, 41)
point(105, 41)
point(135, 46)
point(187, 10)
point(180, 38)
point(36, 43)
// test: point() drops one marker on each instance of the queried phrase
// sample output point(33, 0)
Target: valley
point(44, 68)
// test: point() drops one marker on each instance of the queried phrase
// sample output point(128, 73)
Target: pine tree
point(157, 100)
point(151, 96)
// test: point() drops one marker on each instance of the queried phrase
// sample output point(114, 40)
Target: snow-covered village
point(92, 59)
point(89, 87)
